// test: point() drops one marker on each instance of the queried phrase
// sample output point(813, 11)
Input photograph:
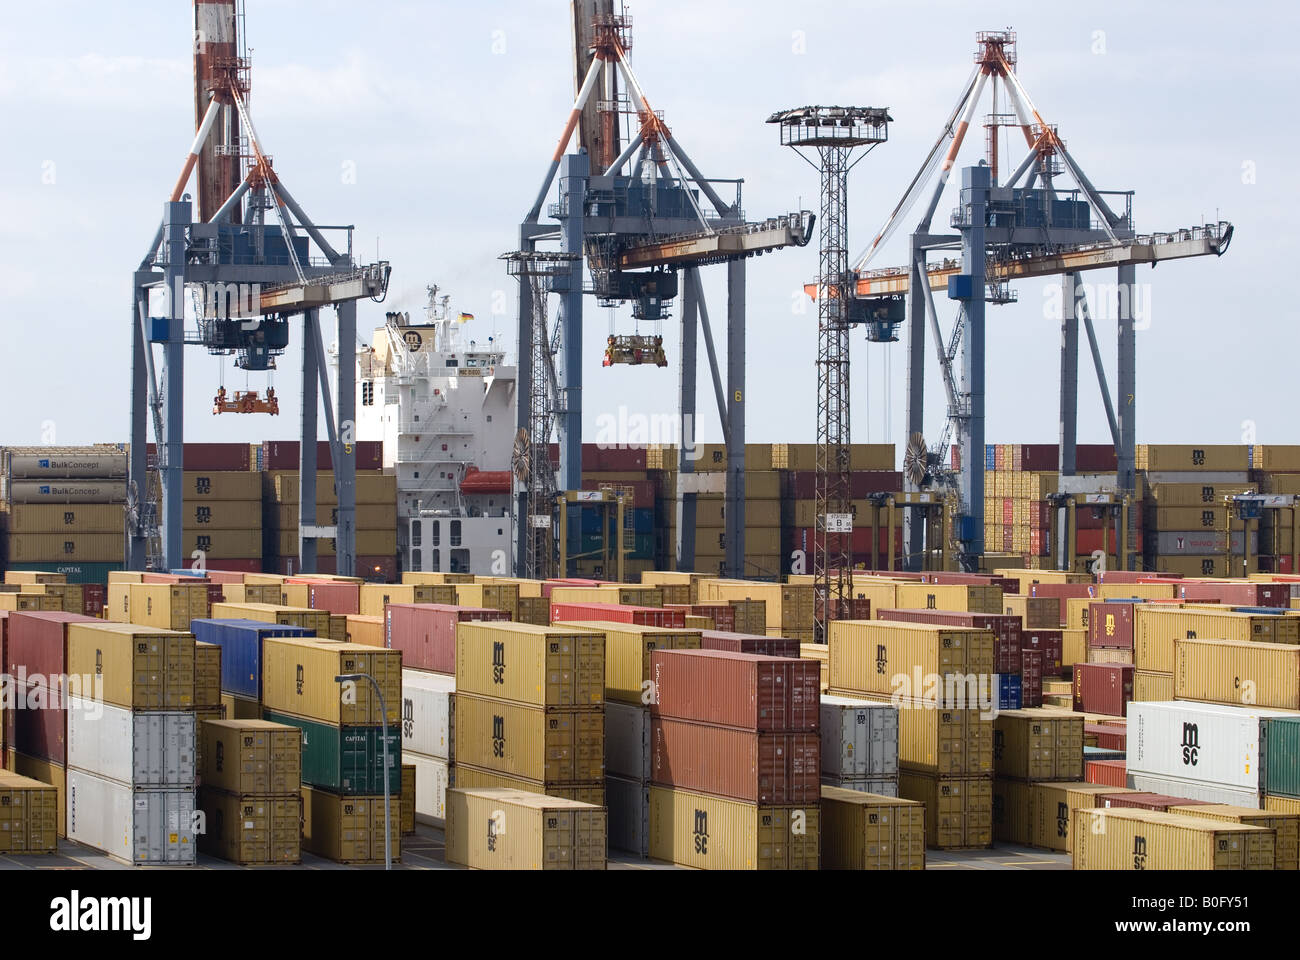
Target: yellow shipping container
point(251, 830)
point(627, 654)
point(882, 656)
point(135, 667)
point(1052, 807)
point(223, 485)
point(30, 601)
point(1194, 494)
point(819, 652)
point(1076, 612)
point(47, 772)
point(169, 606)
point(1198, 566)
point(524, 831)
point(1212, 458)
point(315, 620)
point(1237, 673)
point(409, 774)
point(1275, 457)
point(372, 487)
point(1013, 811)
point(1074, 647)
point(713, 833)
point(67, 547)
point(298, 679)
point(972, 598)
point(471, 777)
point(370, 543)
point(1197, 518)
point(376, 596)
point(1156, 627)
point(535, 610)
point(864, 831)
point(415, 576)
point(933, 740)
point(79, 518)
point(251, 593)
point(490, 596)
point(207, 675)
point(1289, 805)
point(534, 743)
point(251, 757)
point(349, 829)
point(223, 516)
point(240, 708)
point(1146, 591)
point(1027, 578)
point(367, 631)
point(1037, 744)
point(527, 588)
point(295, 595)
point(539, 666)
point(1152, 687)
point(637, 596)
point(1286, 827)
point(1035, 613)
point(28, 815)
point(369, 516)
point(958, 810)
point(35, 577)
point(1130, 839)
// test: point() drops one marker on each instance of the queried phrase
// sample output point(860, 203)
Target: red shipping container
point(1109, 736)
point(853, 608)
point(1031, 678)
point(1037, 457)
point(338, 598)
point(38, 641)
point(548, 585)
point(1135, 576)
point(723, 615)
point(1106, 773)
point(283, 455)
point(425, 633)
point(1160, 802)
point(36, 660)
point(1050, 643)
point(862, 483)
point(226, 576)
point(1008, 539)
point(1094, 458)
point(1008, 511)
point(1239, 593)
point(737, 690)
point(1006, 630)
point(1110, 624)
point(643, 491)
point(758, 767)
point(618, 613)
point(215, 457)
point(749, 643)
point(1104, 688)
point(976, 579)
point(172, 578)
point(93, 596)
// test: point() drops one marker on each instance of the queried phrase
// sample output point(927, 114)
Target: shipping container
point(425, 633)
point(953, 742)
point(432, 775)
point(1104, 688)
point(1280, 763)
point(408, 798)
point(540, 666)
point(251, 830)
point(317, 621)
point(972, 598)
point(628, 803)
point(861, 831)
point(872, 656)
point(747, 643)
point(427, 713)
point(47, 772)
point(241, 643)
point(1156, 627)
point(617, 613)
point(714, 833)
point(285, 455)
point(501, 829)
point(1110, 625)
point(1239, 592)
point(627, 741)
point(1127, 839)
point(350, 829)
point(1052, 807)
point(736, 689)
point(137, 748)
point(70, 491)
point(534, 610)
point(79, 518)
point(141, 826)
point(1111, 773)
point(28, 816)
point(627, 654)
point(298, 678)
point(1052, 645)
point(1005, 629)
point(251, 757)
point(1286, 827)
point(958, 810)
point(374, 597)
point(1152, 686)
point(1013, 811)
point(338, 598)
point(31, 601)
point(135, 667)
point(859, 739)
point(766, 768)
point(493, 596)
point(750, 616)
point(531, 742)
point(471, 776)
point(346, 760)
point(1231, 672)
point(1038, 745)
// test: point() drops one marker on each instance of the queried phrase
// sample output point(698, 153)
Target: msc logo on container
point(1139, 853)
point(702, 831)
point(298, 679)
point(498, 662)
point(1191, 744)
point(882, 660)
point(1062, 820)
point(498, 736)
point(1198, 458)
point(202, 485)
point(408, 718)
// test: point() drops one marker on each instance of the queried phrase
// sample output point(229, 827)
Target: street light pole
point(383, 739)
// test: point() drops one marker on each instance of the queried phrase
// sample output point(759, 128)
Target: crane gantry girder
point(719, 246)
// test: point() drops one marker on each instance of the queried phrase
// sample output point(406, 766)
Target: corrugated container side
point(767, 768)
point(714, 833)
point(251, 830)
point(530, 742)
point(865, 832)
point(143, 827)
point(1224, 671)
point(1148, 840)
point(870, 656)
point(628, 801)
point(958, 810)
point(627, 741)
point(736, 689)
point(1286, 827)
point(427, 713)
point(137, 748)
point(1038, 745)
point(542, 666)
point(251, 757)
point(349, 829)
point(298, 678)
point(499, 829)
point(425, 634)
point(468, 775)
point(346, 760)
point(432, 776)
point(859, 738)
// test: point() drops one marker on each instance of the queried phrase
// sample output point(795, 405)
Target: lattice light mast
point(834, 134)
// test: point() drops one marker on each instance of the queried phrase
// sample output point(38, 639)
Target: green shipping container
point(75, 572)
point(346, 760)
point(1282, 757)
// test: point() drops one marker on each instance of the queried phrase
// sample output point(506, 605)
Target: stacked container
point(945, 742)
point(28, 815)
point(865, 831)
point(859, 748)
point(735, 760)
point(425, 633)
point(496, 828)
point(346, 734)
point(530, 709)
point(242, 645)
point(376, 597)
point(1029, 747)
point(251, 795)
point(427, 738)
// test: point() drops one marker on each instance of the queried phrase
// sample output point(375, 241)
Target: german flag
point(466, 317)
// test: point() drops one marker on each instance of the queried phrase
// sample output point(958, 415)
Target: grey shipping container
point(628, 802)
point(1198, 790)
point(135, 747)
point(627, 741)
point(859, 739)
point(145, 827)
point(881, 788)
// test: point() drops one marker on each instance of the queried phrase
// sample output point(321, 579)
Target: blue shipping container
point(241, 650)
point(1008, 691)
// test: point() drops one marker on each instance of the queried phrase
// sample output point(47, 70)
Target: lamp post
point(383, 739)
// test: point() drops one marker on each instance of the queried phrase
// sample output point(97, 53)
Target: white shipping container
point(143, 827)
point(859, 738)
point(627, 740)
point(628, 802)
point(431, 778)
point(427, 713)
point(1205, 743)
point(136, 748)
point(1195, 790)
point(882, 788)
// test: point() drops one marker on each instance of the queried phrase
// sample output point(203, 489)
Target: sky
point(429, 126)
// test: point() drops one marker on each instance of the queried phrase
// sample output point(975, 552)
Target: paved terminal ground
point(426, 850)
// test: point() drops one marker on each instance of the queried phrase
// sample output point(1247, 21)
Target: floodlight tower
point(835, 134)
